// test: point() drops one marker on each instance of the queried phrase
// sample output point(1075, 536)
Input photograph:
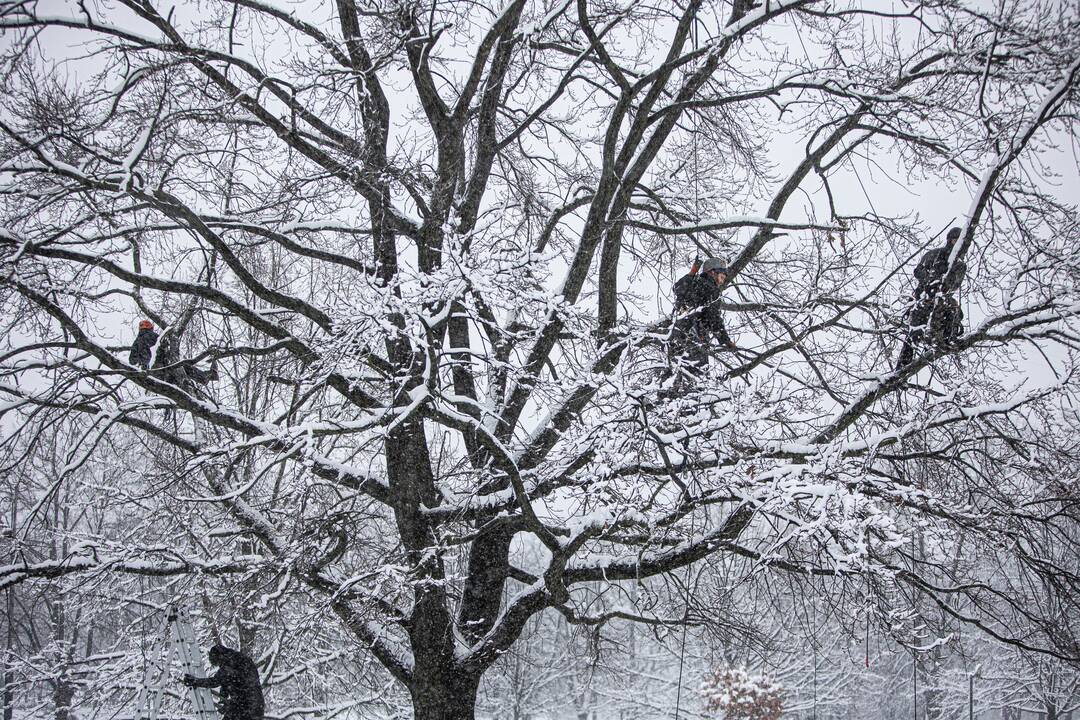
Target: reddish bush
point(741, 696)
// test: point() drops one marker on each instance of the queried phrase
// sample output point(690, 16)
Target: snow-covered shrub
point(742, 696)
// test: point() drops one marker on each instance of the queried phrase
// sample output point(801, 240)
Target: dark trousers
point(932, 320)
point(688, 356)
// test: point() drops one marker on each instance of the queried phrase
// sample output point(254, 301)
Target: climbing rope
point(697, 211)
point(682, 648)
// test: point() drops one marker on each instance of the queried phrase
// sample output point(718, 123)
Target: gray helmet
point(714, 265)
point(218, 654)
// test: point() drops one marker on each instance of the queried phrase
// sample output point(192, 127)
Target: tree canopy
point(428, 247)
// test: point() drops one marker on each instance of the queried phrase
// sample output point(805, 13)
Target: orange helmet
point(146, 325)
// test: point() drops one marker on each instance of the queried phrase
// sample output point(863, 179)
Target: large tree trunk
point(447, 696)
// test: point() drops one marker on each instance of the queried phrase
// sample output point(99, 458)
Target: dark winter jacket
point(238, 678)
point(697, 307)
point(932, 269)
point(142, 350)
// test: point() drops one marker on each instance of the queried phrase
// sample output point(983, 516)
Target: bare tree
point(436, 229)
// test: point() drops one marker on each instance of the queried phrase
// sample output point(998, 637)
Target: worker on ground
point(935, 312)
point(238, 678)
point(143, 347)
point(698, 318)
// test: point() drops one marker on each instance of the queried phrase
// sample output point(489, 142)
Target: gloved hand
point(189, 680)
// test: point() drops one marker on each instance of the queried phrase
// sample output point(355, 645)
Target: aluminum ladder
point(179, 644)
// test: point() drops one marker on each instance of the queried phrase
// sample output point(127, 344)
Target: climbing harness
point(179, 642)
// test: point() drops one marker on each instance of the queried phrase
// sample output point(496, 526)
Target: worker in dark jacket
point(932, 272)
point(935, 312)
point(697, 316)
point(142, 350)
point(167, 364)
point(238, 678)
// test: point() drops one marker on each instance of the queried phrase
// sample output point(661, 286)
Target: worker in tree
point(238, 678)
point(935, 315)
point(167, 363)
point(697, 317)
point(143, 347)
